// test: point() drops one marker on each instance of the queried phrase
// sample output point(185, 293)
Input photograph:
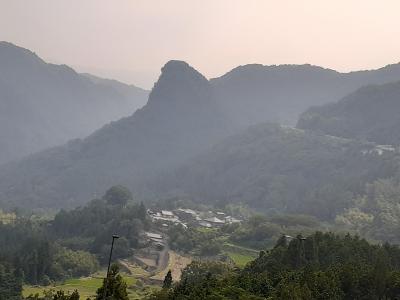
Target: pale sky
point(131, 40)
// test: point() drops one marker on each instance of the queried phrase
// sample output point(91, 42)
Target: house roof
point(188, 211)
point(205, 224)
point(214, 220)
point(154, 235)
point(230, 219)
point(167, 213)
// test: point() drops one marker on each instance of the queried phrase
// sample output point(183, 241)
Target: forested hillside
point(320, 267)
point(281, 169)
point(180, 120)
point(185, 115)
point(43, 105)
point(74, 243)
point(371, 113)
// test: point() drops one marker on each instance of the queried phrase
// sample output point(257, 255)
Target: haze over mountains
point(181, 119)
point(166, 147)
point(253, 94)
point(280, 169)
point(43, 105)
point(371, 113)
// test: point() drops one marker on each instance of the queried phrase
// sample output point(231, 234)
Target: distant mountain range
point(129, 91)
point(254, 94)
point(166, 147)
point(371, 113)
point(43, 105)
point(181, 119)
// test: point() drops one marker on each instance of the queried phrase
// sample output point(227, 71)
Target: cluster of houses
point(156, 242)
point(380, 149)
point(188, 217)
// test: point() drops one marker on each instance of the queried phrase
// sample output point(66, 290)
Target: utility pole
point(114, 237)
point(302, 250)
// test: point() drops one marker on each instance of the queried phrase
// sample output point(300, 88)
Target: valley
point(260, 162)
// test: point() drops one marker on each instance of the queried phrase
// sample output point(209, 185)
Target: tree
point(323, 266)
point(118, 195)
point(10, 285)
point(55, 295)
point(60, 295)
point(142, 213)
point(116, 286)
point(167, 280)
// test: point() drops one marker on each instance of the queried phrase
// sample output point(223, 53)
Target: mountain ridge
point(44, 105)
point(276, 169)
point(255, 93)
point(185, 115)
point(179, 121)
point(370, 113)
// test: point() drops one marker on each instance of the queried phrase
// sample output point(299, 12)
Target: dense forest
point(277, 169)
point(74, 243)
point(320, 266)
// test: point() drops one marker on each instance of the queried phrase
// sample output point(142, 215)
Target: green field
point(205, 230)
point(240, 259)
point(240, 255)
point(240, 249)
point(86, 287)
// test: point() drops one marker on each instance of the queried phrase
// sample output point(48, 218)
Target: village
point(191, 218)
point(156, 257)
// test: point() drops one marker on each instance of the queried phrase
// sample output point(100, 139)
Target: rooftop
point(214, 220)
point(154, 235)
point(188, 211)
point(167, 213)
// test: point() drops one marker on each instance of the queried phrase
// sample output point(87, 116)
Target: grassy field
point(240, 259)
point(86, 287)
point(205, 230)
point(240, 249)
point(240, 255)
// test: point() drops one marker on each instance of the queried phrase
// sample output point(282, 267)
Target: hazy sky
point(130, 39)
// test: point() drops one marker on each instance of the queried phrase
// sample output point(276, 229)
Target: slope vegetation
point(371, 113)
point(180, 120)
point(254, 94)
point(43, 105)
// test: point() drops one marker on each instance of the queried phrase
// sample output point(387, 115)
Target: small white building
point(167, 214)
point(154, 237)
point(231, 220)
point(187, 211)
point(205, 224)
point(214, 221)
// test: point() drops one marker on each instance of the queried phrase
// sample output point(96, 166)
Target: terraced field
point(86, 287)
point(134, 276)
point(240, 255)
point(240, 259)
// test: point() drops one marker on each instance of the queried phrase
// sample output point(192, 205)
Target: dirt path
point(163, 259)
point(176, 264)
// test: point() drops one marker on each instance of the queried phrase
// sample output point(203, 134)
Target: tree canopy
point(318, 267)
